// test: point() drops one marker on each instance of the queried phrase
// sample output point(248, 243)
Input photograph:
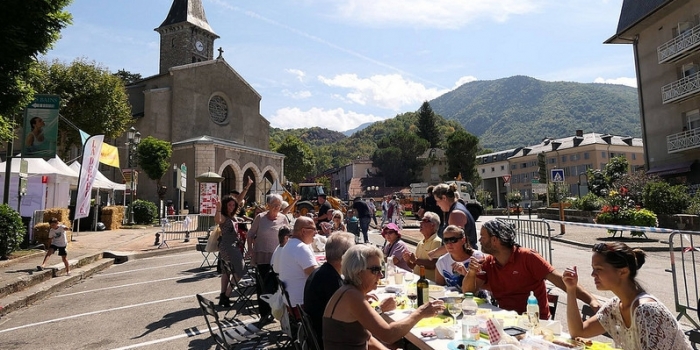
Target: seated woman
point(394, 246)
point(451, 266)
point(633, 318)
point(349, 322)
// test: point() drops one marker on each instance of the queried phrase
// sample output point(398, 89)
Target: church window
point(218, 109)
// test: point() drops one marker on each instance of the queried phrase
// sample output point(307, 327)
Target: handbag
point(276, 302)
point(213, 241)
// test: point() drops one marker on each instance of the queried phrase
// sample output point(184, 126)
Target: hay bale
point(62, 214)
point(41, 234)
point(112, 217)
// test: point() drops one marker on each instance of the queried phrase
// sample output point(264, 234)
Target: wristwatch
point(378, 309)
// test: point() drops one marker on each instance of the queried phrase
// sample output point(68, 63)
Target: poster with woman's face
point(41, 127)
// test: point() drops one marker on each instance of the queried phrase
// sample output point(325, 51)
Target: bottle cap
point(468, 295)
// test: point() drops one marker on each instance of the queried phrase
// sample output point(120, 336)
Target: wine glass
point(480, 258)
point(412, 295)
point(454, 308)
point(408, 277)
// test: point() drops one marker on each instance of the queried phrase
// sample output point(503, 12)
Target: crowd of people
point(338, 294)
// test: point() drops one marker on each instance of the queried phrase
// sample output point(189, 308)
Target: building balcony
point(681, 89)
point(680, 46)
point(683, 141)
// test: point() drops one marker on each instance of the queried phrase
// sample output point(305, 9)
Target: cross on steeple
point(221, 53)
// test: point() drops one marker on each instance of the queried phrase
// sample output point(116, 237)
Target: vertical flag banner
point(88, 171)
point(108, 156)
point(41, 127)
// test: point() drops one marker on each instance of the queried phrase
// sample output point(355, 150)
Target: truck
point(465, 190)
point(309, 192)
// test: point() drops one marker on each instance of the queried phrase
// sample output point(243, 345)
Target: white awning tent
point(101, 181)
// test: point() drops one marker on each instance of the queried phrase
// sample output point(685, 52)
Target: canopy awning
point(671, 169)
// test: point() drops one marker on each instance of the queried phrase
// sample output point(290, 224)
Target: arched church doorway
point(229, 183)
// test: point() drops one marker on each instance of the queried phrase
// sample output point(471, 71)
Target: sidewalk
point(21, 284)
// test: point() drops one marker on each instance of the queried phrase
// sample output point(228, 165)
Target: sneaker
point(39, 268)
point(68, 274)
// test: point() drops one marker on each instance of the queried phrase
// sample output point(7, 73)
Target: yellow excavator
point(308, 201)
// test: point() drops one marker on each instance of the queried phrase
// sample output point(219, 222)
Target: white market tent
point(101, 181)
point(57, 163)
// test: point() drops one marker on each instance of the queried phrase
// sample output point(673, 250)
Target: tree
point(154, 158)
point(427, 125)
point(542, 167)
point(28, 29)
point(127, 77)
point(461, 151)
point(91, 98)
point(396, 157)
point(299, 161)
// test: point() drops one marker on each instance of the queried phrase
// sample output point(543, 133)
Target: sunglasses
point(449, 240)
point(377, 270)
point(603, 248)
point(387, 232)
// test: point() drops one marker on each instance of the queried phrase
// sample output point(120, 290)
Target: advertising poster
point(207, 192)
point(41, 127)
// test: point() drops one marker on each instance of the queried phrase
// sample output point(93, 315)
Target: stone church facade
point(209, 113)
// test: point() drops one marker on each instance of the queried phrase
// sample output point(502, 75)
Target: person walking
point(373, 210)
point(59, 242)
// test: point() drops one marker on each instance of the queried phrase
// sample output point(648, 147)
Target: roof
point(497, 156)
point(548, 145)
point(189, 11)
point(436, 153)
point(633, 12)
point(228, 143)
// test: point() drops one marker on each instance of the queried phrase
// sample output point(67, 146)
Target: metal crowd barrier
point(182, 226)
point(533, 234)
point(684, 247)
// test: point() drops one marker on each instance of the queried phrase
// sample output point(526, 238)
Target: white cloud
point(463, 80)
point(298, 95)
point(432, 13)
point(386, 91)
point(333, 119)
point(619, 81)
point(298, 73)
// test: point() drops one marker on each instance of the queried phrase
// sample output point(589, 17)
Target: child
point(58, 242)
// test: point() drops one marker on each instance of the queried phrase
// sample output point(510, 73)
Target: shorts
point(61, 250)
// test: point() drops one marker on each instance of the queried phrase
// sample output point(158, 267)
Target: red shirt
point(511, 283)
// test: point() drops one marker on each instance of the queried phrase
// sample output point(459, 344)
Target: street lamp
point(373, 188)
point(133, 139)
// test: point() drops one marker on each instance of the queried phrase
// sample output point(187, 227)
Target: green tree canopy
point(91, 97)
point(427, 125)
point(299, 161)
point(127, 77)
point(28, 29)
point(396, 157)
point(461, 151)
point(154, 158)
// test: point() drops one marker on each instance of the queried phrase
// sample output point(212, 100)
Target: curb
point(9, 262)
point(122, 257)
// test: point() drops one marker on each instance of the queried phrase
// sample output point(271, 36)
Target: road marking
point(131, 284)
point(148, 268)
point(157, 341)
point(103, 311)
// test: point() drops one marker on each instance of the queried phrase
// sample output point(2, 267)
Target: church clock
point(199, 46)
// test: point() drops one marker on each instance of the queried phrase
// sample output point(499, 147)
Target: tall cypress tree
point(427, 127)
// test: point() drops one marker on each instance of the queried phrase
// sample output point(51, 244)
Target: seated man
point(428, 228)
point(298, 260)
point(508, 259)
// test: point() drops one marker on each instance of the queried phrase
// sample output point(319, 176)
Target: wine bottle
point(422, 287)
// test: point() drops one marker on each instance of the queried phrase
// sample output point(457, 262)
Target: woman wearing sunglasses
point(451, 266)
point(634, 319)
point(349, 322)
point(395, 247)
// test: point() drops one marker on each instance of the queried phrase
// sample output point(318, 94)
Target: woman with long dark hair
point(228, 245)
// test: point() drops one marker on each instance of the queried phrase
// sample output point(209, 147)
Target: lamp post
point(133, 137)
point(372, 189)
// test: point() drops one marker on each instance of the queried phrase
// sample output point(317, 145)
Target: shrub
point(644, 217)
point(589, 202)
point(12, 230)
point(664, 199)
point(145, 212)
point(694, 207)
point(513, 198)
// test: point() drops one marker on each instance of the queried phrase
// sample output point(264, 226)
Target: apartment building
point(575, 155)
point(494, 170)
point(665, 38)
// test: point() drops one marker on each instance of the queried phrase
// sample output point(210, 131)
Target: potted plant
point(620, 210)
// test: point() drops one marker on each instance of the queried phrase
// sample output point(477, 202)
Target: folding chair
point(552, 301)
point(587, 312)
point(231, 337)
point(293, 318)
point(311, 339)
point(201, 246)
point(244, 287)
point(694, 334)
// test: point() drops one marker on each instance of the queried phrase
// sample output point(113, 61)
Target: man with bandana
point(510, 271)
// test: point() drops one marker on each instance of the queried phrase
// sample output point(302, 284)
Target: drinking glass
point(412, 295)
point(408, 277)
point(480, 258)
point(454, 309)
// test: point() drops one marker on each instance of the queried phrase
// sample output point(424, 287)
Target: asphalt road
point(150, 304)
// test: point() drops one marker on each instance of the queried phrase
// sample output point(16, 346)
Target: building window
point(493, 169)
point(483, 171)
point(563, 159)
point(218, 109)
point(585, 155)
point(503, 167)
point(602, 155)
point(693, 119)
point(634, 156)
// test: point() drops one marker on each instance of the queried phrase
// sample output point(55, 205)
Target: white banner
point(88, 171)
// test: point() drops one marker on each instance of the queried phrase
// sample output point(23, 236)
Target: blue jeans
point(364, 227)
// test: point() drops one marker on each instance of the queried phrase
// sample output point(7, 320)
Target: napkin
point(554, 326)
point(444, 332)
point(496, 334)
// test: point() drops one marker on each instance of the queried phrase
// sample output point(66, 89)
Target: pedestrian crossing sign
point(557, 175)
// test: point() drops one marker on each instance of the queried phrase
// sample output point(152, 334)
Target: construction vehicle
point(308, 201)
point(465, 190)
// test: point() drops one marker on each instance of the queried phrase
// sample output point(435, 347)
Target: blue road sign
point(557, 175)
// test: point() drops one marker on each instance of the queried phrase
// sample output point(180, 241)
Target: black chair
point(552, 301)
point(587, 312)
point(210, 258)
point(310, 341)
point(244, 289)
point(227, 338)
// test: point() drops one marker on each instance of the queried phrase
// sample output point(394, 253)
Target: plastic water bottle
point(390, 270)
point(533, 310)
point(470, 324)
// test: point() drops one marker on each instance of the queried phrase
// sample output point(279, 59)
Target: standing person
point(59, 242)
point(373, 210)
point(394, 210)
point(262, 242)
point(228, 244)
point(428, 228)
point(429, 204)
point(364, 215)
point(634, 319)
point(507, 259)
point(395, 247)
point(323, 211)
point(456, 213)
point(451, 266)
point(299, 260)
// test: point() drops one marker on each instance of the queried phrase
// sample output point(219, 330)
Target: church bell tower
point(185, 35)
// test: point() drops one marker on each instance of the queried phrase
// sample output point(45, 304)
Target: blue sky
point(340, 63)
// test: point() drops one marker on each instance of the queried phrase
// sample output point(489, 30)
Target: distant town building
point(665, 38)
point(435, 165)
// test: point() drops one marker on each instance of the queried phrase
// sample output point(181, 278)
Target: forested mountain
point(519, 111)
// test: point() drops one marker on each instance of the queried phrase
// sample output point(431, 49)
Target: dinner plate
point(476, 344)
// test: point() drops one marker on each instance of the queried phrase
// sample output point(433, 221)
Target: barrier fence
point(533, 234)
point(183, 227)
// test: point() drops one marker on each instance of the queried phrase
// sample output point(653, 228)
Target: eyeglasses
point(309, 228)
point(449, 240)
point(389, 232)
point(426, 221)
point(377, 270)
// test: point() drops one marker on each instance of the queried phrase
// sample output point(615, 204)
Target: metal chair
point(244, 287)
point(310, 340)
point(201, 246)
point(587, 312)
point(552, 301)
point(229, 338)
